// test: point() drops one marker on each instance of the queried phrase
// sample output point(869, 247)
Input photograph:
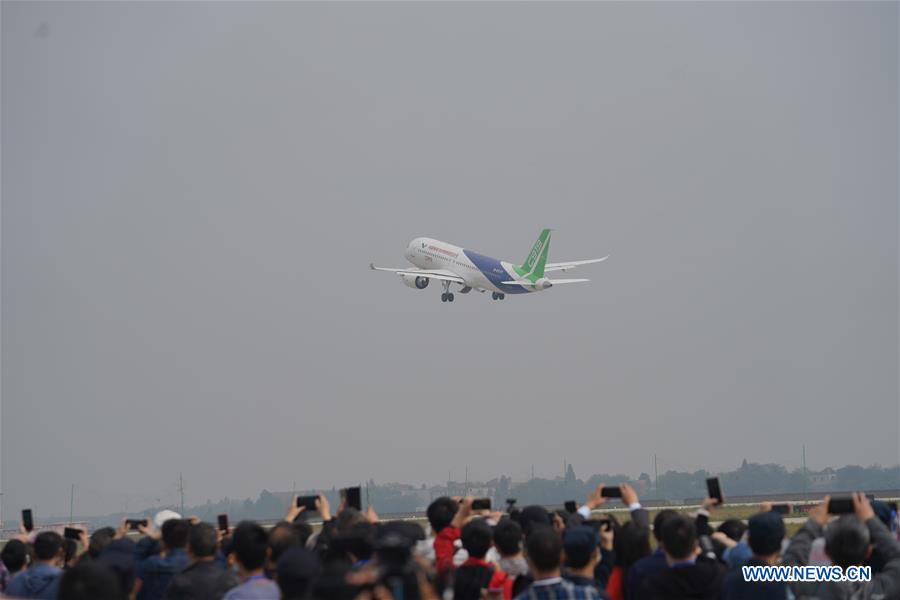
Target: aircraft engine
point(415, 281)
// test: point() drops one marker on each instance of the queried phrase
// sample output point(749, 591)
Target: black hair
point(358, 540)
point(441, 512)
point(298, 568)
point(476, 537)
point(533, 515)
point(281, 537)
point(348, 518)
point(544, 548)
point(175, 533)
point(733, 528)
point(203, 539)
point(679, 537)
point(508, 537)
point(631, 543)
point(660, 519)
point(100, 539)
point(90, 580)
point(847, 541)
point(251, 545)
point(14, 555)
point(47, 545)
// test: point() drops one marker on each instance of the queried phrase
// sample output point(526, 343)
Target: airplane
point(449, 264)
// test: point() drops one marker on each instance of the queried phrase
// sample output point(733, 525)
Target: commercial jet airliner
point(449, 264)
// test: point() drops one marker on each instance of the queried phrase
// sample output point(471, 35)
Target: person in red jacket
point(476, 576)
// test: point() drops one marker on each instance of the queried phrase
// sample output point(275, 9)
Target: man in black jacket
point(203, 577)
point(687, 576)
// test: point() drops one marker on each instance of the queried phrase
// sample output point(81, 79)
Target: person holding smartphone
point(849, 539)
point(41, 579)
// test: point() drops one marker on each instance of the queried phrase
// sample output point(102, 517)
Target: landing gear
point(447, 296)
point(497, 296)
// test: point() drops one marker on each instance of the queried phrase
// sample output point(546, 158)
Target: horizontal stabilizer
point(565, 266)
point(552, 281)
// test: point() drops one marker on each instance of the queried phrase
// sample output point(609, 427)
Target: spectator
point(631, 541)
point(99, 540)
point(849, 541)
point(653, 564)
point(41, 579)
point(581, 548)
point(476, 575)
point(441, 513)
point(156, 566)
point(297, 570)
point(251, 550)
point(14, 557)
point(90, 580)
point(543, 548)
point(118, 555)
point(508, 541)
point(765, 533)
point(686, 575)
point(203, 577)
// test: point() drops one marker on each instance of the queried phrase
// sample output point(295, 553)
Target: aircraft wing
point(565, 266)
point(439, 274)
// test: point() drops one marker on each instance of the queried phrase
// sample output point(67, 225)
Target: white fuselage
point(478, 271)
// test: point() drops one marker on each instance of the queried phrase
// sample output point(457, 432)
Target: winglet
point(372, 266)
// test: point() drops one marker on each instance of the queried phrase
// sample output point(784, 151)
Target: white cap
point(163, 516)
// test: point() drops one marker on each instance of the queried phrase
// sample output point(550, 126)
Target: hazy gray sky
point(192, 194)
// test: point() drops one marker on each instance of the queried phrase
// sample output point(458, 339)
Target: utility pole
point(181, 492)
point(466, 483)
point(71, 504)
point(805, 477)
point(655, 477)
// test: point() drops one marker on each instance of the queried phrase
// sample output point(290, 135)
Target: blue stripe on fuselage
point(495, 272)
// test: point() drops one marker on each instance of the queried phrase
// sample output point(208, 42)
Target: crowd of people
point(466, 552)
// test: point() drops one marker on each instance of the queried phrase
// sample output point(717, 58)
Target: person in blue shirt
point(543, 548)
point(251, 549)
point(157, 565)
point(41, 579)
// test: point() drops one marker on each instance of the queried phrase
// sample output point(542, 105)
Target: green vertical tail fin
point(533, 267)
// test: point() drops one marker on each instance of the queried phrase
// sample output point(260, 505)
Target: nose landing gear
point(497, 296)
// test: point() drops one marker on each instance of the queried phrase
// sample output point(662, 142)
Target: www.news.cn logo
point(806, 573)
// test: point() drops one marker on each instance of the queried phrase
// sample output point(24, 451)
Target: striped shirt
point(556, 588)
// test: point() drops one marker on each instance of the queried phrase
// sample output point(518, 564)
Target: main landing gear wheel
point(447, 296)
point(497, 296)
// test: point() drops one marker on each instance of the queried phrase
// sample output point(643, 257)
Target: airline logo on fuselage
point(449, 253)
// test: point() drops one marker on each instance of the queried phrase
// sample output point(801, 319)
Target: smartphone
point(27, 520)
point(781, 509)
point(714, 490)
point(840, 506)
point(135, 524)
point(71, 533)
point(571, 506)
point(353, 497)
point(307, 502)
point(481, 504)
point(223, 522)
point(611, 491)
